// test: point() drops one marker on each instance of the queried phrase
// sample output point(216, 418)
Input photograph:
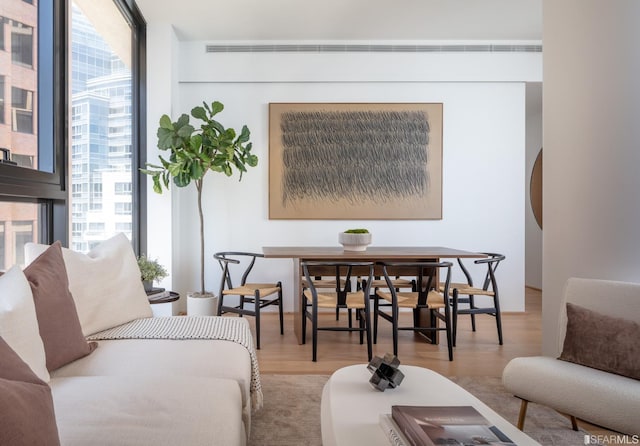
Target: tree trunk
point(199, 188)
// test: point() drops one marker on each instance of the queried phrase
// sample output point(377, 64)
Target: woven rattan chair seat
point(464, 288)
point(249, 289)
point(330, 300)
point(323, 283)
point(397, 283)
point(410, 299)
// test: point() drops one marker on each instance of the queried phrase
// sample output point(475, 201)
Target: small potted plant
point(355, 239)
point(150, 271)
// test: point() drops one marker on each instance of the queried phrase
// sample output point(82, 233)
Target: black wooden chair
point(260, 295)
point(425, 296)
point(466, 293)
point(317, 296)
point(324, 282)
point(379, 283)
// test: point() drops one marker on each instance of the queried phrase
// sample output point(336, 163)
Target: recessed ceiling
point(340, 20)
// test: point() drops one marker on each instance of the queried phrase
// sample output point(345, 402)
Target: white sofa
point(133, 391)
point(597, 396)
point(156, 392)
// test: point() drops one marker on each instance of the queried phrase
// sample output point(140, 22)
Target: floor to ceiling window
point(102, 165)
point(71, 123)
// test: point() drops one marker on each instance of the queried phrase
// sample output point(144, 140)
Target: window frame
point(41, 186)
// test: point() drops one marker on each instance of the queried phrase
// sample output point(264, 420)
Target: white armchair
point(597, 396)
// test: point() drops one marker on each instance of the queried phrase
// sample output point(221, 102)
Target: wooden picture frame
point(355, 161)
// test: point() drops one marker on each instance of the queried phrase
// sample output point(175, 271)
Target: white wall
point(591, 139)
point(162, 77)
point(533, 233)
point(484, 153)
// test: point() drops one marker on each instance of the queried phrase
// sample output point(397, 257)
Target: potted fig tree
point(192, 152)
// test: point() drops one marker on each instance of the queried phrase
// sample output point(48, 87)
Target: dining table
point(300, 254)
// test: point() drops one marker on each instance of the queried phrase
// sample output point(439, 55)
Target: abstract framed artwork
point(355, 161)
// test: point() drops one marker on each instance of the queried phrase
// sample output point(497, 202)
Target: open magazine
point(446, 425)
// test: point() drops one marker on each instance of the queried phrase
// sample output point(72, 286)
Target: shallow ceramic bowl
point(354, 242)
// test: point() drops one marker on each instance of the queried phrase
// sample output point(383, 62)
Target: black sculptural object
point(385, 372)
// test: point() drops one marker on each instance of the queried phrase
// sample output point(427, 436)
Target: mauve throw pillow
point(602, 342)
point(26, 404)
point(56, 312)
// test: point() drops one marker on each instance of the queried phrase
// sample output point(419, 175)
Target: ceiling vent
point(353, 48)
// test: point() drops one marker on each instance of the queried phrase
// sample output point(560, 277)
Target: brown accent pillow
point(56, 312)
point(26, 404)
point(602, 342)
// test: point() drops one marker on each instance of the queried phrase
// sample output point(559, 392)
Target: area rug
point(544, 425)
point(290, 415)
point(291, 412)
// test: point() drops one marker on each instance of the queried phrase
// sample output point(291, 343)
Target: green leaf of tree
point(244, 135)
point(197, 171)
point(185, 131)
point(156, 184)
point(199, 113)
point(182, 180)
point(195, 143)
point(217, 126)
point(182, 121)
point(252, 160)
point(175, 169)
point(165, 138)
point(216, 108)
point(165, 122)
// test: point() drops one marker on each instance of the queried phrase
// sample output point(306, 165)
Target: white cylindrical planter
point(202, 305)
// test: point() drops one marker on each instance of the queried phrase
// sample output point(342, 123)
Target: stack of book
point(157, 294)
point(437, 425)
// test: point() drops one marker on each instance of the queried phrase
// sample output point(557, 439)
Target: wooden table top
point(372, 252)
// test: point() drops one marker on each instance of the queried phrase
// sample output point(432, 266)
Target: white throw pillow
point(18, 321)
point(105, 283)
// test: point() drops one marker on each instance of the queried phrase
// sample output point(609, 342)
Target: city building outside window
point(2, 22)
point(21, 110)
point(2, 121)
point(17, 231)
point(55, 125)
point(21, 43)
point(102, 120)
point(20, 219)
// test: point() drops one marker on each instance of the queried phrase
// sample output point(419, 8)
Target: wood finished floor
point(476, 354)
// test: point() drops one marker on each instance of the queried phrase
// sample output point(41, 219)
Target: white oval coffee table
point(351, 407)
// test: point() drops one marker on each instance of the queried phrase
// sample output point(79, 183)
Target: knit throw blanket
point(192, 327)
